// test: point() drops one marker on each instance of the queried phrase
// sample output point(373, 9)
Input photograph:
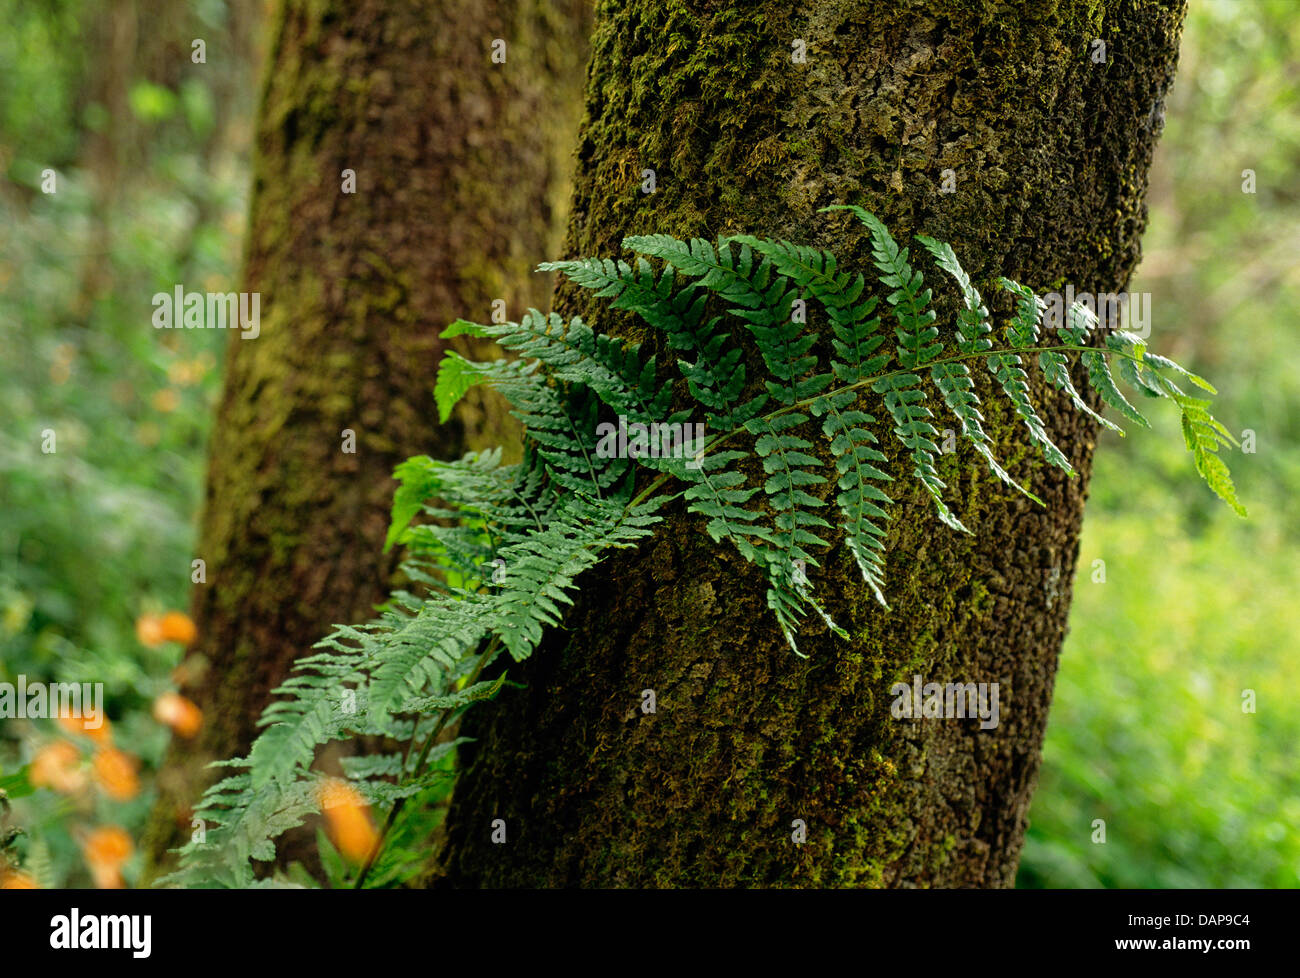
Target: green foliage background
point(1147, 730)
point(101, 531)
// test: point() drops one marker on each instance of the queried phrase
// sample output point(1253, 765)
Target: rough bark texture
point(462, 175)
point(1050, 152)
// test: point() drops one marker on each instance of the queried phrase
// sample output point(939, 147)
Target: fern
point(793, 462)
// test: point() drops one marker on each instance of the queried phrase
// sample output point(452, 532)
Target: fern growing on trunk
point(504, 545)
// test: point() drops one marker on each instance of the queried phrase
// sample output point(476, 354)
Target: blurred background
point(151, 158)
point(1147, 730)
point(150, 154)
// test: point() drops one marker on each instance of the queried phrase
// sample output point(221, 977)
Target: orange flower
point(115, 772)
point(56, 766)
point(148, 629)
point(178, 713)
point(347, 817)
point(106, 849)
point(166, 400)
point(13, 879)
point(177, 627)
point(76, 724)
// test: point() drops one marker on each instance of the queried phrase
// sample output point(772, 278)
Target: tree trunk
point(459, 166)
point(1050, 151)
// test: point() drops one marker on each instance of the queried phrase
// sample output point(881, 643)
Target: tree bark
point(462, 170)
point(1050, 151)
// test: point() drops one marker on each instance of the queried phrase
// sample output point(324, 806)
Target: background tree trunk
point(462, 174)
point(1050, 151)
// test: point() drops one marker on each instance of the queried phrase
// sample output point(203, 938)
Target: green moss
point(743, 140)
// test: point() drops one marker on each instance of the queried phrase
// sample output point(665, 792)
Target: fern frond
point(495, 553)
point(1081, 322)
point(953, 379)
point(918, 344)
point(861, 501)
point(573, 353)
point(543, 568)
point(1007, 370)
point(721, 495)
point(1202, 433)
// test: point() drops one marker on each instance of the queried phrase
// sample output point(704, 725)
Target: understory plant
point(792, 464)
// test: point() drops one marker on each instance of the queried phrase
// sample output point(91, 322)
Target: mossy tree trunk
point(1049, 148)
point(462, 172)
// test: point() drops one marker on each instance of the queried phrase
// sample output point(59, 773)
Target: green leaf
point(18, 784)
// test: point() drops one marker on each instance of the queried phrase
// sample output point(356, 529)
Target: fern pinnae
point(1054, 364)
point(1204, 436)
point(786, 345)
point(1082, 321)
point(1132, 365)
point(858, 465)
point(542, 569)
point(860, 500)
point(721, 497)
point(575, 354)
point(855, 343)
point(918, 343)
point(717, 271)
point(953, 379)
point(716, 377)
point(1008, 371)
point(762, 300)
point(435, 639)
point(556, 419)
point(1202, 433)
point(815, 273)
